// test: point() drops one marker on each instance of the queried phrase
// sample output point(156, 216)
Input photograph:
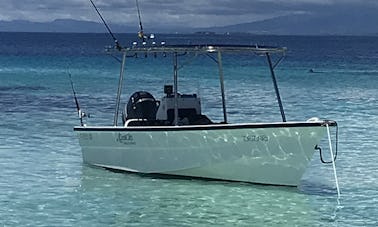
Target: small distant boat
point(172, 136)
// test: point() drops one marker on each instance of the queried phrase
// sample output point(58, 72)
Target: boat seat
point(202, 120)
point(188, 117)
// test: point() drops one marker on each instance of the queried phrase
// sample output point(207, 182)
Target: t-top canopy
point(178, 50)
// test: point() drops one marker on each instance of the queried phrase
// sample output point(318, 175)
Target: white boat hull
point(276, 153)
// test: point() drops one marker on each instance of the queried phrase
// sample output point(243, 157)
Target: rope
point(333, 164)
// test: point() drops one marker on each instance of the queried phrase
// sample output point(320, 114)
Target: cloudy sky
point(193, 13)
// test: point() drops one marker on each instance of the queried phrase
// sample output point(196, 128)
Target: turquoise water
point(44, 182)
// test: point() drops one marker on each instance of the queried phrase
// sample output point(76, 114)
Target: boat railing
point(257, 49)
point(130, 121)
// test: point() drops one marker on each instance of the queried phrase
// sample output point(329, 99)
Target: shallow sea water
point(44, 182)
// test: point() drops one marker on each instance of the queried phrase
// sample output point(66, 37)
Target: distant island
point(351, 23)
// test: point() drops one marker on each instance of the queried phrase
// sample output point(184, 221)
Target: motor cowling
point(141, 105)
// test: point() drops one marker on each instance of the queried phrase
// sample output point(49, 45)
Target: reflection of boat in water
point(172, 136)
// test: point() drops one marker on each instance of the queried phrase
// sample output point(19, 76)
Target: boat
point(172, 136)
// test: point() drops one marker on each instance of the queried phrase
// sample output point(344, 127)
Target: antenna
point(118, 46)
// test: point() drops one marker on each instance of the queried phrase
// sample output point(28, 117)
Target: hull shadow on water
point(196, 180)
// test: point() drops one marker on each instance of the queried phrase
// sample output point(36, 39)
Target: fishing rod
point(140, 33)
point(118, 46)
point(81, 114)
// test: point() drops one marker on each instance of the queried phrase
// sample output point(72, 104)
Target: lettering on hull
point(126, 139)
point(255, 138)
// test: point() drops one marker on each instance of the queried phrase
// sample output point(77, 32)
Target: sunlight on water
point(44, 182)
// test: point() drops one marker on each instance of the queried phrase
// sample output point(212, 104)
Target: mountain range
point(351, 23)
point(59, 25)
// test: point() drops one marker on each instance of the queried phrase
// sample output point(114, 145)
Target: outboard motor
point(141, 105)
